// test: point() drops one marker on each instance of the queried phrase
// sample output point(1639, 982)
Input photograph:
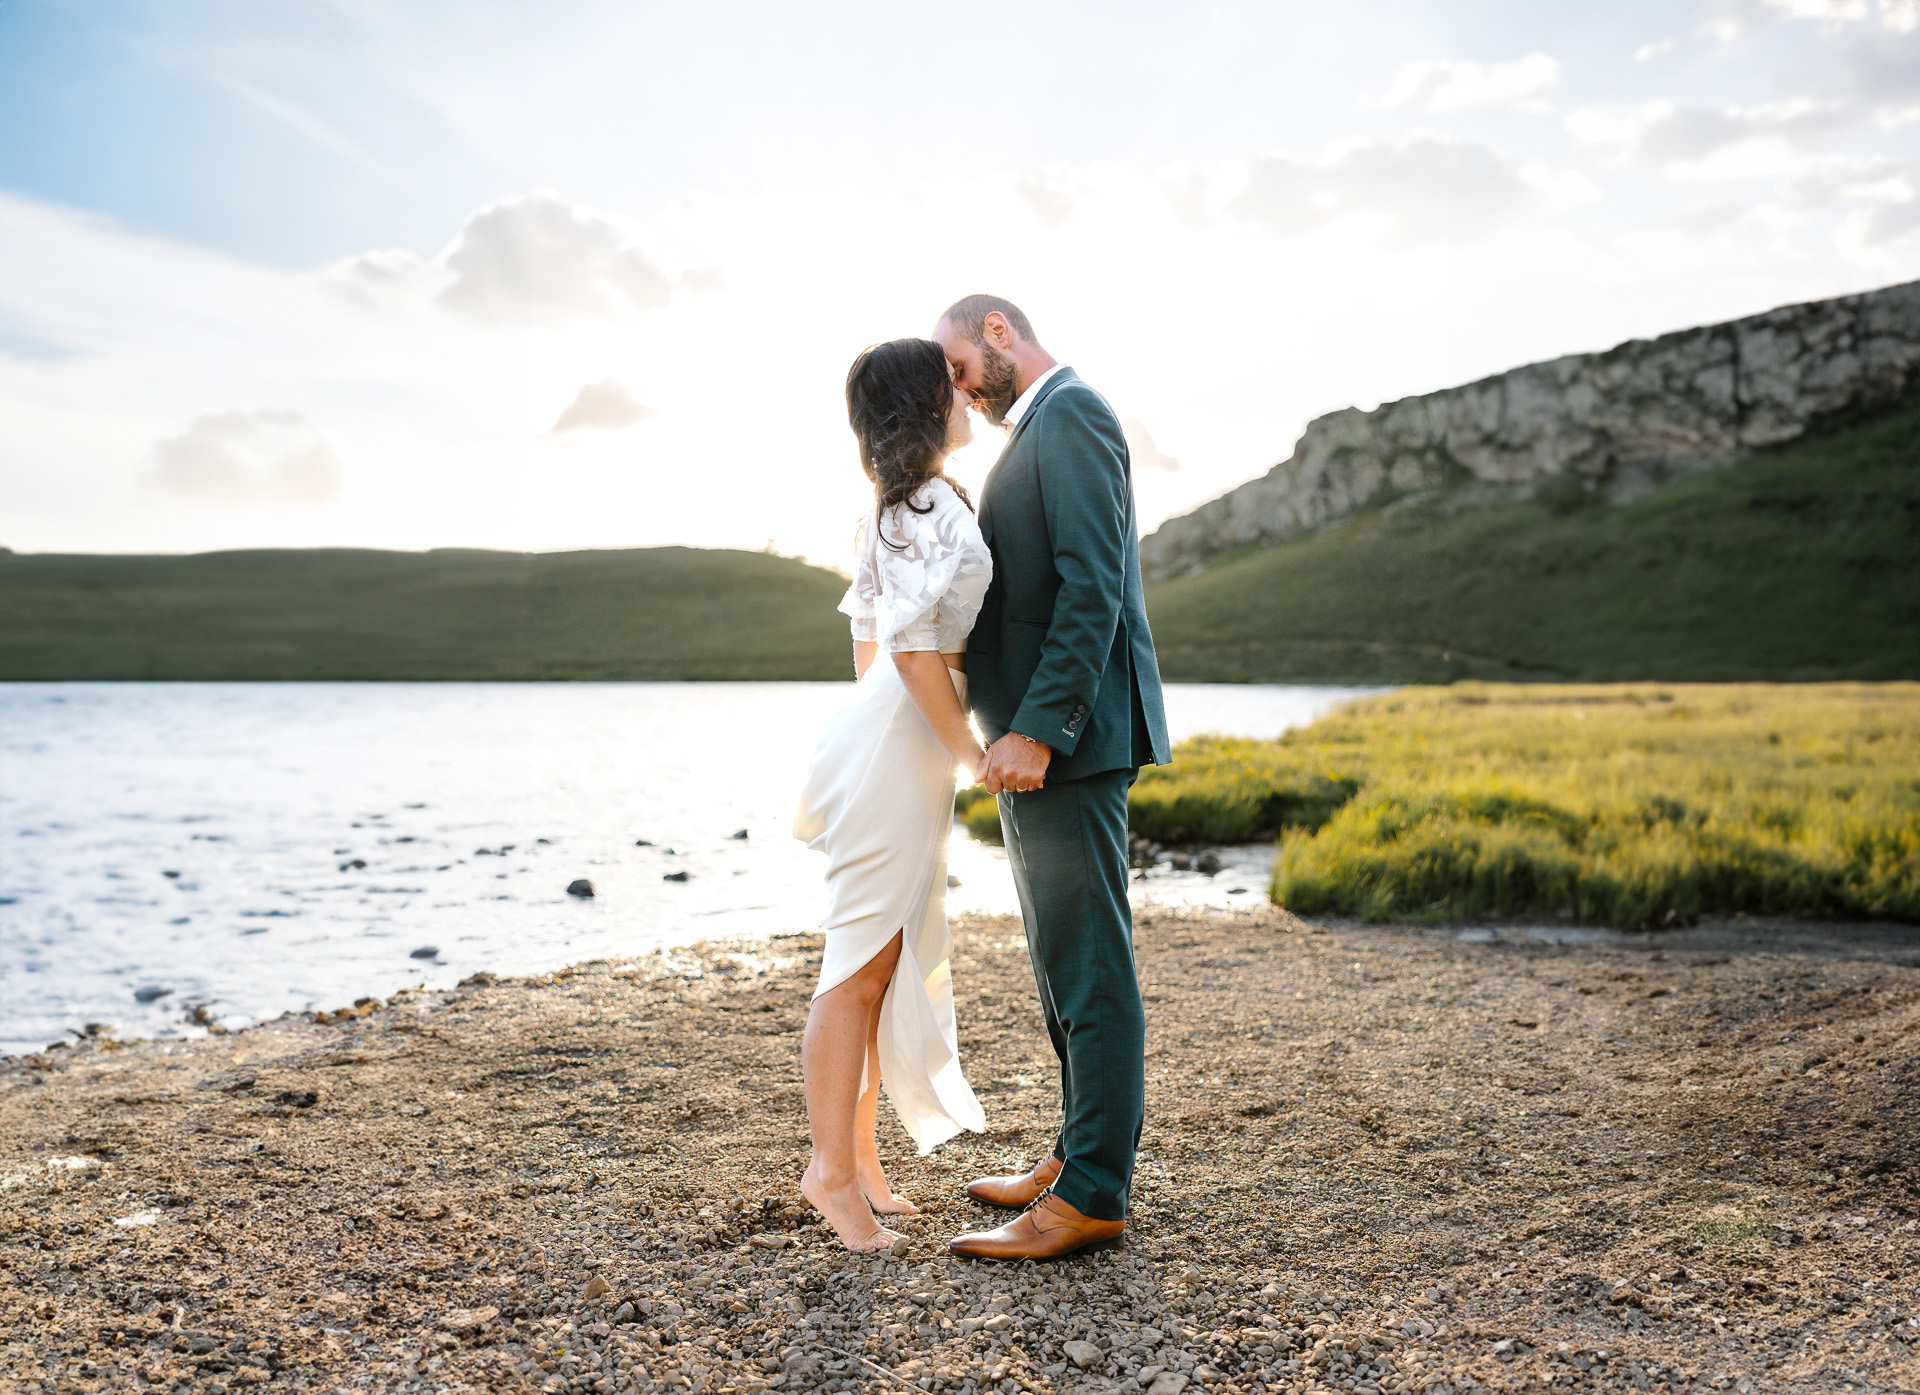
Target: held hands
point(1014, 763)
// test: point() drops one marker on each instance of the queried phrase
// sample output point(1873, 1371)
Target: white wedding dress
point(878, 802)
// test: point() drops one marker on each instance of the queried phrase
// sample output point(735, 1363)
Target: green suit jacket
point(1061, 651)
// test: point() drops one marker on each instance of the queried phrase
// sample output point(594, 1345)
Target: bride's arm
point(924, 675)
point(863, 652)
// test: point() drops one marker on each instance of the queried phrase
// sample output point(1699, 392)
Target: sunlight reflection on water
point(273, 846)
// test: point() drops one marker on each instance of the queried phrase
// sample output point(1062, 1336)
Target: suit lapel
point(1013, 437)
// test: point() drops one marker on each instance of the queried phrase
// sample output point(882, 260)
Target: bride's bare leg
point(873, 1177)
point(832, 1056)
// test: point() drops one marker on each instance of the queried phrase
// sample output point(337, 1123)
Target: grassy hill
point(1800, 563)
point(654, 613)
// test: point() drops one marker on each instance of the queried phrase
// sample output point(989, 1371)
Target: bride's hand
point(977, 763)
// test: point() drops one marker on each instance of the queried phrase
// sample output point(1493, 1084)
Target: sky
point(423, 273)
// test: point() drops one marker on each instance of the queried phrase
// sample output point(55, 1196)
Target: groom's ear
point(996, 331)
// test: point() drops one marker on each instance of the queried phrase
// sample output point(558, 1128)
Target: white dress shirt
point(1025, 399)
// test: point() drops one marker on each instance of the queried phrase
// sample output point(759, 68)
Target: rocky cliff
point(1619, 422)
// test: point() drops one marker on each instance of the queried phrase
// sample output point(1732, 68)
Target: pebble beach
point(1376, 1159)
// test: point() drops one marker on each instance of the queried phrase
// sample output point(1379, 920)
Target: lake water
point(261, 847)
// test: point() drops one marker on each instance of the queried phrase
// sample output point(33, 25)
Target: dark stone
point(150, 994)
point(426, 952)
point(1180, 862)
point(624, 1313)
point(580, 887)
point(740, 834)
point(643, 842)
point(298, 1099)
point(353, 866)
point(169, 874)
point(1207, 862)
point(677, 877)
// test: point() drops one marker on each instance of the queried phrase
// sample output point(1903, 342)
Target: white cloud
point(378, 280)
point(1441, 85)
point(1662, 135)
point(539, 260)
point(239, 458)
point(1051, 207)
point(608, 405)
point(1729, 19)
point(1424, 190)
point(1660, 48)
point(533, 259)
point(1143, 450)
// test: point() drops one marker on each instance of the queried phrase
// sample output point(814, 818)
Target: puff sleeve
point(858, 603)
point(933, 577)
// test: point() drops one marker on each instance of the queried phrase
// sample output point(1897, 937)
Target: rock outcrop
point(1622, 422)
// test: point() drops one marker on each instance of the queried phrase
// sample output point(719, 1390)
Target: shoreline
point(1896, 941)
point(1375, 1159)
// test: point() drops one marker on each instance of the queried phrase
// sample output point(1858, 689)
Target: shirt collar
point(1025, 399)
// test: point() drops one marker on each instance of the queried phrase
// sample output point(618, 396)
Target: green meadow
point(1627, 806)
point(453, 613)
point(1799, 563)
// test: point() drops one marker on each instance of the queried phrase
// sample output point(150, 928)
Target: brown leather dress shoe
point(1047, 1231)
point(1016, 1191)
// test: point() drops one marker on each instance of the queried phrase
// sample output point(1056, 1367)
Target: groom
point(1062, 676)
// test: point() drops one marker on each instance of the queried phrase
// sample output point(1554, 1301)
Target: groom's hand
point(1016, 763)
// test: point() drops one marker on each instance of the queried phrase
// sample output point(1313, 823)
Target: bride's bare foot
point(880, 1193)
point(847, 1212)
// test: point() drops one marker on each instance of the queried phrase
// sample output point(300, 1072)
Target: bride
point(879, 798)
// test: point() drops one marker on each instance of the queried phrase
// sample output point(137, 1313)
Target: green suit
point(1061, 653)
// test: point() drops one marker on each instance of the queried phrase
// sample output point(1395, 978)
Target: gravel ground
point(1375, 1159)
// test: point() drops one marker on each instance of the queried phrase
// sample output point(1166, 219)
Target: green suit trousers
point(1067, 844)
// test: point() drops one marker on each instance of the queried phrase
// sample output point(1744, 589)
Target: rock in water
point(1621, 421)
point(740, 834)
point(426, 952)
point(580, 887)
point(1207, 862)
point(150, 994)
point(677, 877)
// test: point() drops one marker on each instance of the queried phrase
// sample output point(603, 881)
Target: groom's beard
point(994, 397)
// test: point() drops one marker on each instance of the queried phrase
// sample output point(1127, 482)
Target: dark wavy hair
point(898, 397)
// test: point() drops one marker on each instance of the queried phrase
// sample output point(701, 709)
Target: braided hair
point(898, 397)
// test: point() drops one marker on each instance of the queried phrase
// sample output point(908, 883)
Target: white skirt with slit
point(878, 802)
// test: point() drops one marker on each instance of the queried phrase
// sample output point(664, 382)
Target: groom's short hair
point(969, 315)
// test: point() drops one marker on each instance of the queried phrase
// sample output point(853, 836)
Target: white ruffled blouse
point(924, 591)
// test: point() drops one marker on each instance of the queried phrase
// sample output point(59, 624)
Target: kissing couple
point(1030, 616)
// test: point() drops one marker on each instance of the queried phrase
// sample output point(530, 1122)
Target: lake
point(265, 847)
